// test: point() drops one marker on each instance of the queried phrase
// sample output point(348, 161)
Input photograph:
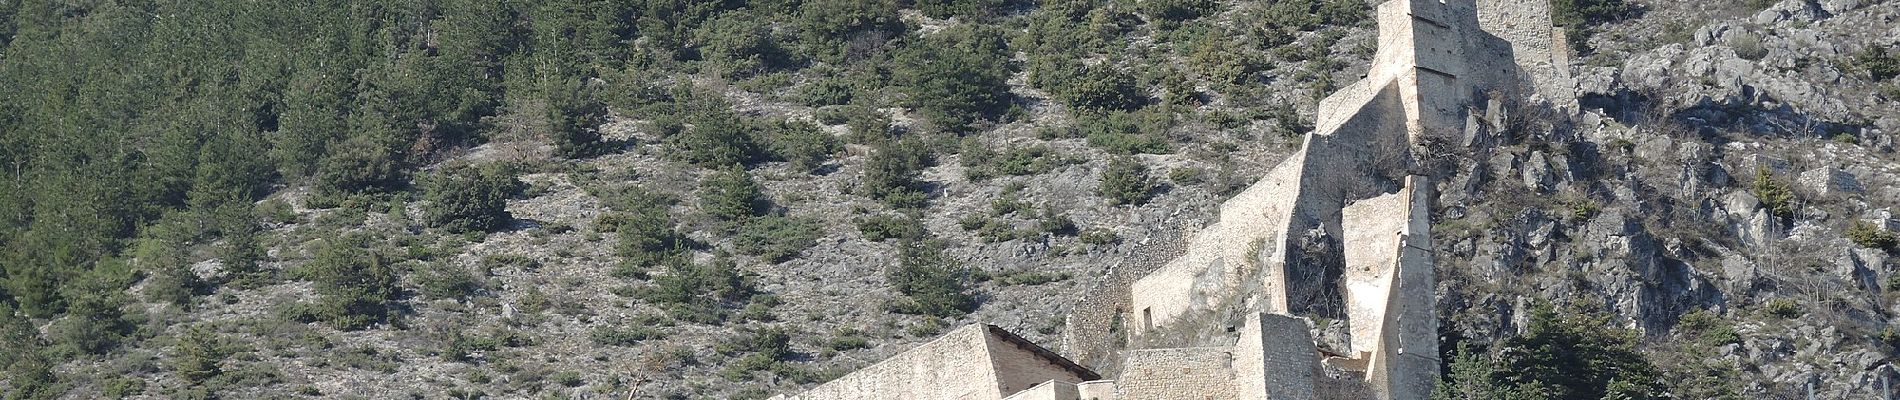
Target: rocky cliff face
point(1723, 163)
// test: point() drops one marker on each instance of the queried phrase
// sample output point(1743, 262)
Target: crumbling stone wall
point(1275, 359)
point(1541, 53)
point(1199, 373)
point(1389, 280)
point(1090, 334)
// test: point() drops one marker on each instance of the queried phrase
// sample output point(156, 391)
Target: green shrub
point(967, 9)
point(731, 195)
point(1214, 60)
point(1889, 338)
point(994, 230)
point(356, 285)
point(1708, 329)
point(1285, 15)
point(469, 199)
point(120, 388)
point(717, 137)
point(804, 145)
point(930, 283)
point(1054, 223)
point(1577, 355)
point(445, 280)
point(198, 355)
point(742, 46)
point(701, 293)
point(1096, 87)
point(1877, 62)
point(1124, 133)
point(1869, 235)
point(1187, 176)
point(647, 238)
point(891, 172)
point(1783, 308)
point(764, 350)
point(355, 166)
point(94, 322)
point(1169, 13)
point(1030, 278)
point(567, 378)
point(1748, 46)
point(956, 77)
point(1580, 17)
point(848, 342)
point(1126, 182)
point(168, 278)
point(980, 163)
point(1099, 237)
point(1774, 193)
point(826, 92)
point(776, 239)
point(575, 113)
point(878, 228)
point(868, 125)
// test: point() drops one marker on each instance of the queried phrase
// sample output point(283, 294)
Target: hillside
point(679, 199)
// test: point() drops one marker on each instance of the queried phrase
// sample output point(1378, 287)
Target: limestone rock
point(1839, 6)
point(1749, 222)
point(1537, 173)
point(1828, 180)
point(1789, 11)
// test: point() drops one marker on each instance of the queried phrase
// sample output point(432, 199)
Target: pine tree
point(731, 195)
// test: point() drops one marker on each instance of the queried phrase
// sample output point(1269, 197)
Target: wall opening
point(1147, 319)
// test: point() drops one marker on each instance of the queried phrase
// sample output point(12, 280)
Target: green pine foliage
point(355, 284)
point(891, 173)
point(1877, 62)
point(1775, 193)
point(648, 238)
point(730, 195)
point(1869, 235)
point(931, 284)
point(199, 353)
point(701, 293)
point(776, 238)
point(957, 77)
point(1573, 354)
point(469, 199)
point(575, 113)
point(1126, 182)
point(803, 145)
point(1580, 17)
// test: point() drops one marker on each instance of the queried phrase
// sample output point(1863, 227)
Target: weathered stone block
point(1827, 180)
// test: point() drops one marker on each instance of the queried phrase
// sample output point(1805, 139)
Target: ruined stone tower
point(1340, 230)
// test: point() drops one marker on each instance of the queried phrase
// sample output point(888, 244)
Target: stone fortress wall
point(1339, 230)
point(973, 362)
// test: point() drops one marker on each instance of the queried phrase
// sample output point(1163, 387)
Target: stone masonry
point(1340, 230)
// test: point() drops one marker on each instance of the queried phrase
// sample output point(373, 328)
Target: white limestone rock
point(1829, 181)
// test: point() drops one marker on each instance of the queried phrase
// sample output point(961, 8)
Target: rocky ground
point(1656, 204)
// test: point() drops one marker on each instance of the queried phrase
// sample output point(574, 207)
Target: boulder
point(1839, 6)
point(1829, 181)
point(1538, 174)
